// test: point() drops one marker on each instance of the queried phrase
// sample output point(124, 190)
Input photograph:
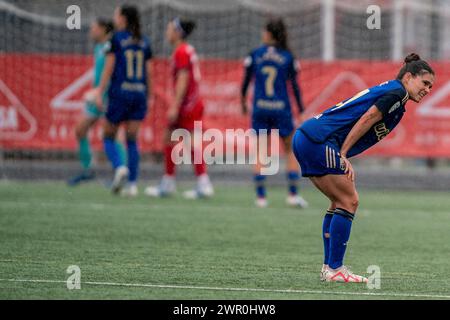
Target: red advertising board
point(41, 101)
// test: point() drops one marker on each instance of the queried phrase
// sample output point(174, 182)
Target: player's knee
point(354, 202)
point(80, 132)
point(354, 205)
point(350, 203)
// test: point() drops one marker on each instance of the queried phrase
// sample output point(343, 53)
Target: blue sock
point(112, 153)
point(293, 178)
point(133, 160)
point(260, 186)
point(340, 227)
point(326, 239)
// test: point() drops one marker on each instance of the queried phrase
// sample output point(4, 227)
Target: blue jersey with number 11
point(129, 75)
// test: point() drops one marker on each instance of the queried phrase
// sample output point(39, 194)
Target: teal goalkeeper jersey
point(99, 61)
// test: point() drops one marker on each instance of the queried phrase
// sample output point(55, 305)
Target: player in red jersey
point(186, 108)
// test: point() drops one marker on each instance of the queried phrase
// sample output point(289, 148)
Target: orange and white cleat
point(343, 274)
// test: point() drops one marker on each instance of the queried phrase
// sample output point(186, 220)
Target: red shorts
point(187, 117)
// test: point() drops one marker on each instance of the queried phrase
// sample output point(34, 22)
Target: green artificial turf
point(216, 248)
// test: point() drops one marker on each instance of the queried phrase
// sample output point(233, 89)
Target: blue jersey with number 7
point(272, 68)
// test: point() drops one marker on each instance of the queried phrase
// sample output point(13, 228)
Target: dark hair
point(277, 29)
point(414, 65)
point(131, 13)
point(106, 24)
point(188, 26)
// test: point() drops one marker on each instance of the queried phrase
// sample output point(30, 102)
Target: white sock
point(203, 180)
point(168, 178)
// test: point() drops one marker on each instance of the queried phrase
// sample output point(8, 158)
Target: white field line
point(194, 287)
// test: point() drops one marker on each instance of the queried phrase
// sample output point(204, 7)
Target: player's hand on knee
point(349, 169)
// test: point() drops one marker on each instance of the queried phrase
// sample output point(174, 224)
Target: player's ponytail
point(414, 65)
point(132, 16)
point(277, 29)
point(184, 26)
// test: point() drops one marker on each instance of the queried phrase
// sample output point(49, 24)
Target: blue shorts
point(280, 121)
point(126, 107)
point(316, 159)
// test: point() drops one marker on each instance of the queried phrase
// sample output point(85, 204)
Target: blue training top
point(334, 124)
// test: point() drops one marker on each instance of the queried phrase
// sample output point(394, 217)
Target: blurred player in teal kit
point(127, 71)
point(272, 66)
point(324, 143)
point(100, 32)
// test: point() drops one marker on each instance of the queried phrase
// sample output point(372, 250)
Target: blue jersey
point(334, 124)
point(129, 75)
point(271, 68)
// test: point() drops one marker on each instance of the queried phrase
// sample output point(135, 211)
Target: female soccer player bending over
point(127, 71)
point(185, 109)
point(272, 66)
point(324, 143)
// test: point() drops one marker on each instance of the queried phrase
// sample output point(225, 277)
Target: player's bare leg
point(293, 175)
point(81, 132)
point(344, 202)
point(167, 185)
point(83, 127)
point(204, 187)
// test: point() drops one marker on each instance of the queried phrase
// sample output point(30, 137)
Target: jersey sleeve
point(182, 60)
point(148, 53)
point(248, 73)
point(388, 100)
point(248, 61)
point(294, 67)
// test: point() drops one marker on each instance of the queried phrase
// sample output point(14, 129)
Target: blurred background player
point(100, 33)
point(271, 66)
point(324, 143)
point(128, 70)
point(186, 108)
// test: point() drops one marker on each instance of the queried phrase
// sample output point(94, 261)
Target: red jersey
point(185, 58)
